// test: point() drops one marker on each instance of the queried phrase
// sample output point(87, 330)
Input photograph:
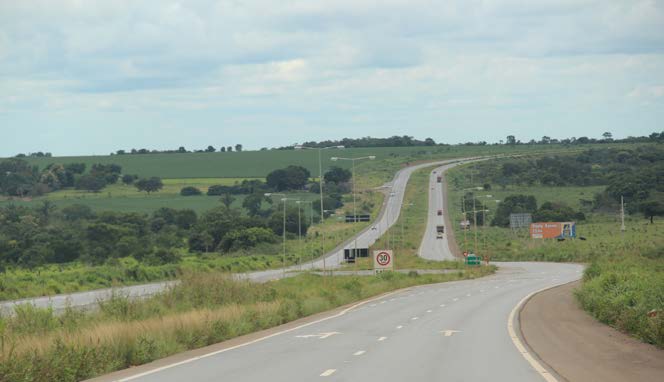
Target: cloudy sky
point(91, 77)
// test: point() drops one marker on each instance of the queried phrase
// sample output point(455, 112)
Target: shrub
point(190, 191)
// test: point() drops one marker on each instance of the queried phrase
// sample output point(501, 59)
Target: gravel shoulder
point(578, 347)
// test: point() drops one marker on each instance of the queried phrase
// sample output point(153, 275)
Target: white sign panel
point(383, 260)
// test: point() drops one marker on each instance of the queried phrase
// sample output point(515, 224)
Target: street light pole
point(320, 186)
point(370, 157)
point(283, 230)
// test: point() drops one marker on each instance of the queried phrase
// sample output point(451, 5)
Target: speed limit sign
point(383, 260)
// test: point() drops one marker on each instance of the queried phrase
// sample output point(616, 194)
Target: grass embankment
point(203, 309)
point(625, 277)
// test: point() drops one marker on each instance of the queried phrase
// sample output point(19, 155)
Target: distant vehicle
point(440, 230)
point(439, 179)
point(373, 228)
point(439, 235)
point(440, 212)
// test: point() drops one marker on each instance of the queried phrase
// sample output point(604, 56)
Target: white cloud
point(378, 61)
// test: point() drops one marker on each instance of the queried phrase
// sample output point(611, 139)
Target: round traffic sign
point(383, 258)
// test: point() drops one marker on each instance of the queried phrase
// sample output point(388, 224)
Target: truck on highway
point(439, 179)
point(440, 230)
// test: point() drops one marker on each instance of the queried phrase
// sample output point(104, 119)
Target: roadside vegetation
point(623, 285)
point(38, 345)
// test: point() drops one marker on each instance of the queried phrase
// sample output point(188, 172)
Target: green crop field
point(257, 164)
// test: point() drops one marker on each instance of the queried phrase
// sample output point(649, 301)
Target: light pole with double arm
point(353, 160)
point(284, 199)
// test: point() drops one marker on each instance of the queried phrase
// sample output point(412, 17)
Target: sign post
point(383, 260)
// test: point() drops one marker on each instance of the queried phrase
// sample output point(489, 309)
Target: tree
point(190, 191)
point(510, 140)
point(337, 175)
point(222, 149)
point(651, 209)
point(77, 212)
point(513, 204)
point(252, 203)
point(149, 185)
point(290, 178)
point(238, 147)
point(110, 172)
point(181, 149)
point(129, 179)
point(227, 200)
point(607, 136)
point(210, 149)
point(91, 183)
point(247, 238)
point(229, 149)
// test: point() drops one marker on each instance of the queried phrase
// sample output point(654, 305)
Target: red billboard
point(552, 230)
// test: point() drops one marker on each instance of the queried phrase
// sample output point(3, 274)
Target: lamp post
point(353, 160)
point(320, 186)
point(311, 222)
point(284, 199)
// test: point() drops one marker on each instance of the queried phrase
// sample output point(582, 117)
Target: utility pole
point(622, 215)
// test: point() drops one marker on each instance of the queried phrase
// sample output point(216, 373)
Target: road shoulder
point(579, 348)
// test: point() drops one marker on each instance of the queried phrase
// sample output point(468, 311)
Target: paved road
point(400, 337)
point(389, 215)
point(433, 247)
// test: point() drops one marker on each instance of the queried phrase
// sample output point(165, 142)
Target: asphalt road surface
point(432, 246)
point(454, 331)
point(389, 215)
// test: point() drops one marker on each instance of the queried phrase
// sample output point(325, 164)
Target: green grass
point(202, 310)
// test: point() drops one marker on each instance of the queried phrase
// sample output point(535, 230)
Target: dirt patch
point(578, 347)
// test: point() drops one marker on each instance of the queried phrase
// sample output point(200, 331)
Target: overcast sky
point(91, 77)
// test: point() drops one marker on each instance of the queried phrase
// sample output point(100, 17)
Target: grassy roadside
point(203, 309)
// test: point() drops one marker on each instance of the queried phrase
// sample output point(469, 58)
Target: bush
point(190, 191)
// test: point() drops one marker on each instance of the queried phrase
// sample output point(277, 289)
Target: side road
point(578, 347)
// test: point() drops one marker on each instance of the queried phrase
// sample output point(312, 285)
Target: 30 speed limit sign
point(383, 260)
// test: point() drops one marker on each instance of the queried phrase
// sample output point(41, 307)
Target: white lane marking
point(520, 346)
point(497, 287)
point(468, 295)
point(382, 338)
point(455, 299)
point(359, 352)
point(449, 333)
point(321, 336)
point(192, 359)
point(442, 305)
point(429, 311)
point(400, 326)
point(328, 372)
point(414, 318)
point(372, 305)
point(382, 302)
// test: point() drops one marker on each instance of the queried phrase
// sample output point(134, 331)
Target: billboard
point(553, 230)
point(520, 220)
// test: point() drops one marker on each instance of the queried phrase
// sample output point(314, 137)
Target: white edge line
point(189, 360)
point(541, 370)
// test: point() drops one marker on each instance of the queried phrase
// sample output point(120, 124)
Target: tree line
point(634, 174)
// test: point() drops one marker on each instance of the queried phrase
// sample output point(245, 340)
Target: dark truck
point(440, 230)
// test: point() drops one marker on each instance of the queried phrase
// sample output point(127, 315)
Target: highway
point(456, 331)
point(433, 247)
point(333, 259)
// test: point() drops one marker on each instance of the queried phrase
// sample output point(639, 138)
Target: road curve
point(333, 259)
point(455, 331)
